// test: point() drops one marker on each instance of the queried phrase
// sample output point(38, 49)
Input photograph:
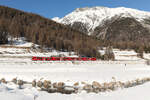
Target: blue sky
point(53, 8)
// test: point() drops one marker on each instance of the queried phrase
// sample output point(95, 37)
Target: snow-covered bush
point(60, 87)
point(148, 62)
point(76, 84)
point(20, 83)
point(55, 85)
point(109, 55)
point(68, 90)
point(3, 80)
point(46, 84)
point(40, 84)
point(34, 83)
point(14, 80)
point(88, 88)
point(96, 84)
point(52, 90)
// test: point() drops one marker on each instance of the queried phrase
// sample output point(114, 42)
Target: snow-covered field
point(74, 73)
point(16, 62)
point(135, 93)
point(69, 74)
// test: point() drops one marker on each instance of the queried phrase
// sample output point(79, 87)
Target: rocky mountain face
point(90, 18)
point(123, 29)
point(120, 27)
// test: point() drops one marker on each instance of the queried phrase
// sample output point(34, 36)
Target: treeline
point(45, 32)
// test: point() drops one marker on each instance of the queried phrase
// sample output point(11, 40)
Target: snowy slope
point(93, 17)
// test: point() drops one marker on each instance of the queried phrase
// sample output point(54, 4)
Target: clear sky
point(59, 8)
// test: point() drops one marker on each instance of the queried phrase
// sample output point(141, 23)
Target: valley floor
point(71, 73)
point(16, 62)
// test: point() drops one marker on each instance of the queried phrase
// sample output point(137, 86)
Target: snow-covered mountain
point(56, 19)
point(90, 18)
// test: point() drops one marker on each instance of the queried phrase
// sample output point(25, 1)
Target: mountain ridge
point(123, 28)
point(94, 16)
point(45, 32)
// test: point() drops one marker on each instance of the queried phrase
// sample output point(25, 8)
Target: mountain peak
point(90, 8)
point(56, 19)
point(91, 17)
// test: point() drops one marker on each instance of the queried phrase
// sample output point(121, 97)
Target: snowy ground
point(135, 93)
point(75, 73)
point(16, 62)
